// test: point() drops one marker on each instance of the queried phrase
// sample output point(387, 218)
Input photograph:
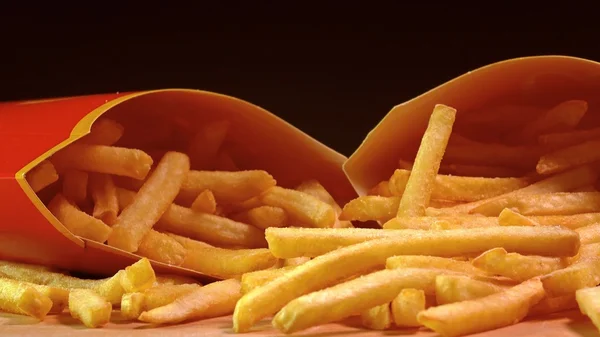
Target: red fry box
point(516, 88)
point(34, 130)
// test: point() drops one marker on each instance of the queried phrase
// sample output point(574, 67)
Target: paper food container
point(32, 131)
point(541, 81)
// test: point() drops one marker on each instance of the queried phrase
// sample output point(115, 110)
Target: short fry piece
point(104, 131)
point(508, 217)
point(149, 204)
point(458, 288)
point(132, 305)
point(104, 195)
point(263, 217)
point(427, 162)
point(588, 300)
point(138, 277)
point(223, 263)
point(302, 208)
point(314, 188)
point(104, 159)
point(23, 299)
point(205, 203)
point(371, 207)
point(58, 296)
point(212, 300)
point(569, 157)
point(90, 308)
point(377, 318)
point(41, 176)
point(486, 313)
point(75, 185)
point(516, 266)
point(407, 305)
point(162, 248)
point(78, 222)
point(442, 263)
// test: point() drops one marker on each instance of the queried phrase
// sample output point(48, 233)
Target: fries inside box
point(92, 183)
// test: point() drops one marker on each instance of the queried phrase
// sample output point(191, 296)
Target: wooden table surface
point(567, 324)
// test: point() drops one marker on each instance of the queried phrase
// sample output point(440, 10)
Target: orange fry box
point(34, 131)
point(518, 90)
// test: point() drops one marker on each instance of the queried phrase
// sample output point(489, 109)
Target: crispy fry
point(566, 158)
point(162, 248)
point(427, 162)
point(377, 318)
point(223, 263)
point(508, 217)
point(563, 117)
point(258, 278)
point(589, 304)
point(205, 203)
point(570, 138)
point(582, 274)
point(157, 296)
point(104, 131)
point(544, 204)
point(589, 234)
point(78, 222)
point(75, 185)
point(516, 266)
point(41, 176)
point(132, 305)
point(138, 277)
point(425, 222)
point(486, 313)
point(407, 305)
point(175, 280)
point(460, 188)
point(442, 263)
point(565, 181)
point(58, 296)
point(458, 288)
point(314, 188)
point(569, 221)
point(301, 207)
point(371, 207)
point(104, 195)
point(550, 305)
point(206, 143)
point(213, 300)
point(311, 242)
point(103, 159)
point(90, 308)
point(263, 217)
point(381, 189)
point(344, 299)
point(227, 187)
point(23, 299)
point(149, 204)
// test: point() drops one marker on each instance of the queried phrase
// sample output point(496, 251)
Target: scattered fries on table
point(476, 234)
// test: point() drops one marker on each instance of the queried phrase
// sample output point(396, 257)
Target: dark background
point(332, 69)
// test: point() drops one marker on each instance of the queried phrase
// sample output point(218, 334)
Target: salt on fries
point(477, 233)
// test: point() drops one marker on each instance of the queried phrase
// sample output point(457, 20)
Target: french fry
point(442, 263)
point(407, 305)
point(205, 203)
point(212, 300)
point(138, 277)
point(589, 304)
point(371, 207)
point(58, 296)
point(78, 222)
point(381, 189)
point(566, 158)
point(425, 222)
point(133, 304)
point(149, 204)
point(263, 217)
point(227, 187)
point(508, 217)
point(206, 143)
point(75, 185)
point(104, 195)
point(478, 171)
point(311, 242)
point(210, 228)
point(344, 299)
point(569, 221)
point(589, 234)
point(565, 181)
point(460, 188)
point(295, 261)
point(494, 311)
point(162, 248)
point(20, 298)
point(223, 263)
point(563, 117)
point(90, 308)
point(255, 279)
point(341, 263)
point(103, 159)
point(175, 280)
point(377, 318)
point(565, 139)
point(427, 162)
point(550, 305)
point(41, 176)
point(561, 203)
point(458, 288)
point(314, 188)
point(104, 131)
point(584, 273)
point(301, 207)
point(516, 266)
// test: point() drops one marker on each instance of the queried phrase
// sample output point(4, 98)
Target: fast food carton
point(540, 81)
point(32, 131)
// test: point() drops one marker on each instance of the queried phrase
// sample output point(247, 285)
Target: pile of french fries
point(476, 234)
